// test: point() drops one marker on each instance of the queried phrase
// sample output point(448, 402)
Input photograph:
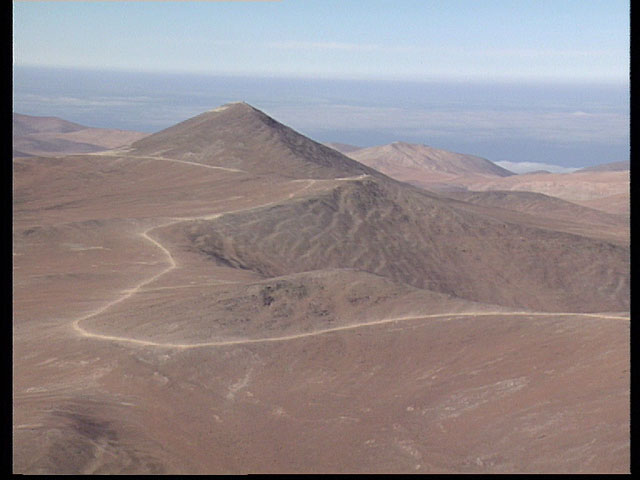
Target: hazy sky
point(537, 82)
point(554, 40)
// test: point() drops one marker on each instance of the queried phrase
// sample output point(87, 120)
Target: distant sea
point(521, 126)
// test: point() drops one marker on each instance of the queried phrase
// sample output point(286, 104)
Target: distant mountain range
point(34, 136)
point(407, 161)
point(604, 187)
point(343, 147)
point(608, 167)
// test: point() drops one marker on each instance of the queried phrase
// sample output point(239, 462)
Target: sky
point(529, 84)
point(551, 40)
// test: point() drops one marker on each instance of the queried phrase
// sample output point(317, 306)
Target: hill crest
point(607, 167)
point(27, 124)
point(401, 156)
point(53, 136)
point(238, 135)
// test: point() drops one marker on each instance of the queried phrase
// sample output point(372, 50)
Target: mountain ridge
point(228, 135)
point(607, 167)
point(54, 136)
point(414, 159)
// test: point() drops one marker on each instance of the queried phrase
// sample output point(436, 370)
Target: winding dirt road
point(172, 265)
point(123, 153)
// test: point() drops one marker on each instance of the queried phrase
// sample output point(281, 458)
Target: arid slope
point(422, 240)
point(552, 212)
point(405, 161)
point(239, 136)
point(584, 188)
point(34, 136)
point(343, 147)
point(235, 298)
point(608, 167)
point(603, 187)
point(428, 167)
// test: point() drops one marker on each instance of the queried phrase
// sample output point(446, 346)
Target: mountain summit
point(422, 158)
point(237, 135)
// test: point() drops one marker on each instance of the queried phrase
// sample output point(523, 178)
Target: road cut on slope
point(171, 261)
point(172, 265)
point(450, 315)
point(116, 153)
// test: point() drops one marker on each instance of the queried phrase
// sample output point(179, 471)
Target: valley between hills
point(229, 296)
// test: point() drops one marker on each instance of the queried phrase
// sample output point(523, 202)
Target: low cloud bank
point(526, 167)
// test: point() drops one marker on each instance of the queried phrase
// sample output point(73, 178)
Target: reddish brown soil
point(180, 315)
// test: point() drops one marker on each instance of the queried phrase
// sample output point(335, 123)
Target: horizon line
point(619, 82)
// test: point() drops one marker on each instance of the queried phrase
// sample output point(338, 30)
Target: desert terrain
point(229, 296)
point(602, 187)
point(52, 136)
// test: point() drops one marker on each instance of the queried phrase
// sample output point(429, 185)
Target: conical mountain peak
point(231, 106)
point(238, 135)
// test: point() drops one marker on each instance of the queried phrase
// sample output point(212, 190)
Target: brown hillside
point(569, 217)
point(617, 204)
point(44, 136)
point(577, 186)
point(296, 312)
point(406, 161)
point(419, 239)
point(26, 124)
point(241, 137)
point(608, 167)
point(343, 147)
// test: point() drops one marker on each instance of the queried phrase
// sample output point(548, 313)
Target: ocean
point(515, 124)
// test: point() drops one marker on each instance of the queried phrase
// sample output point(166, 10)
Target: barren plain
point(228, 296)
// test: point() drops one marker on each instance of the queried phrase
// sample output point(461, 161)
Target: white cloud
point(68, 101)
point(525, 167)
